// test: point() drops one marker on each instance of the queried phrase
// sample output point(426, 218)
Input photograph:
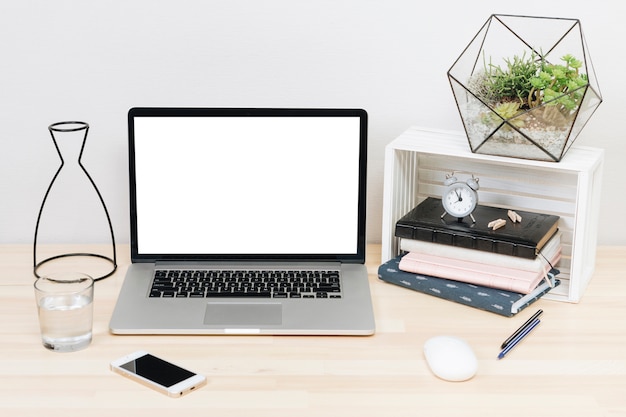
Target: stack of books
point(502, 270)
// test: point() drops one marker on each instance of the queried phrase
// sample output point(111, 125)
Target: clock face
point(459, 200)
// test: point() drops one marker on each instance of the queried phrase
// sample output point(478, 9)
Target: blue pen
point(521, 328)
point(518, 338)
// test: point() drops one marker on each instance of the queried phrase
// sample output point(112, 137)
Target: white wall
point(92, 60)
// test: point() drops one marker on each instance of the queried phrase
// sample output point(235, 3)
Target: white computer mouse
point(450, 358)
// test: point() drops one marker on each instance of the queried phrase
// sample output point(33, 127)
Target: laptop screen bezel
point(357, 257)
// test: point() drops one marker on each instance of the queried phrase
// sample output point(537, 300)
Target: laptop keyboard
point(169, 283)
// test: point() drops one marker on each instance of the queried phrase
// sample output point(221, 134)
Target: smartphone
point(158, 374)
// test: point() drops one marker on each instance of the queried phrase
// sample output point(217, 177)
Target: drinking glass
point(65, 306)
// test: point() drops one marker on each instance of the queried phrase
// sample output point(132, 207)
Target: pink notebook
point(488, 275)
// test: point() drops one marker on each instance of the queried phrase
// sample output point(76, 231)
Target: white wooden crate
point(417, 162)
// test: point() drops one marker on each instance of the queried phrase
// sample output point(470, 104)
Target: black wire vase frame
point(65, 127)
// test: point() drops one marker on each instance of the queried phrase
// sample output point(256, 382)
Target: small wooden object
point(515, 218)
point(496, 224)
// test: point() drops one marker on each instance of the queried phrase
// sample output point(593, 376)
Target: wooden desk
point(574, 364)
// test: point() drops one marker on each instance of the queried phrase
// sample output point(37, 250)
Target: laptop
point(246, 221)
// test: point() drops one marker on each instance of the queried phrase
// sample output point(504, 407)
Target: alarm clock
point(460, 198)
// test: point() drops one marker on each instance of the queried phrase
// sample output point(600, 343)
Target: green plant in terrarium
point(504, 111)
point(511, 83)
point(560, 87)
point(528, 82)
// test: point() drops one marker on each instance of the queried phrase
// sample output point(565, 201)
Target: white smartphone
point(159, 374)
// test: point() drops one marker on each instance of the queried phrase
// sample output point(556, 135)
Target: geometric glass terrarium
point(525, 87)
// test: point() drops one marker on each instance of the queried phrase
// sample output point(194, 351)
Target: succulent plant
point(505, 111)
point(528, 82)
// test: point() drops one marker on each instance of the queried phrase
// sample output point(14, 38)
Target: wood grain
point(573, 364)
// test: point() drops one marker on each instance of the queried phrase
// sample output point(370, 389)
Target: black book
point(524, 239)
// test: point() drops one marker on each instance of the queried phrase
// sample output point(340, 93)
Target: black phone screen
point(157, 370)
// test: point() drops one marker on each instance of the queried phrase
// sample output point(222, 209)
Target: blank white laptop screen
point(246, 185)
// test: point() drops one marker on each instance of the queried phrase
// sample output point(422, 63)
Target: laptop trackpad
point(243, 314)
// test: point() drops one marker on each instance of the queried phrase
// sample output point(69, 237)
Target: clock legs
point(460, 219)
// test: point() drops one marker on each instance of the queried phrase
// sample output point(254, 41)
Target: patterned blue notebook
point(505, 303)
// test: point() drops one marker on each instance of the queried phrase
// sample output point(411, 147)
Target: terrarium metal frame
point(535, 124)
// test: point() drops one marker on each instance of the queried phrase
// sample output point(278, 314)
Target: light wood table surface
point(573, 364)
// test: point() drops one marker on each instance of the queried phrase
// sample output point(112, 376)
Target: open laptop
point(246, 221)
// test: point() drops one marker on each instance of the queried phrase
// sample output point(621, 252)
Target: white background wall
point(93, 60)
